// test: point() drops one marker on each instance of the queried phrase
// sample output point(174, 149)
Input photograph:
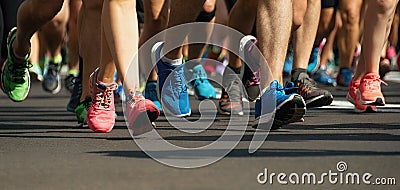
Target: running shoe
point(369, 92)
point(322, 77)
point(352, 98)
point(308, 89)
point(150, 92)
point(51, 78)
point(203, 89)
point(251, 75)
point(172, 85)
point(15, 79)
point(81, 110)
point(101, 114)
point(69, 82)
point(36, 72)
point(344, 77)
point(141, 114)
point(289, 108)
point(313, 62)
point(75, 95)
point(232, 93)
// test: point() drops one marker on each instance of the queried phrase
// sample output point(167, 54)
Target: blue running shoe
point(322, 77)
point(150, 92)
point(203, 89)
point(172, 85)
point(344, 77)
point(287, 68)
point(288, 108)
point(313, 62)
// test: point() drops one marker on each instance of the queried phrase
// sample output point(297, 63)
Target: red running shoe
point(100, 117)
point(140, 114)
point(369, 91)
point(352, 98)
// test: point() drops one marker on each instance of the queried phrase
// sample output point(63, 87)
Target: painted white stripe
point(347, 105)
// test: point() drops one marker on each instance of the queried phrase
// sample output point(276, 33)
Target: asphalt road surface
point(42, 148)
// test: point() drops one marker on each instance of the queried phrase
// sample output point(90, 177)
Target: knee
point(350, 16)
point(299, 11)
point(386, 6)
point(48, 9)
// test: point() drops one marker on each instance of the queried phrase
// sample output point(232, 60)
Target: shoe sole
point(229, 113)
point(322, 100)
point(142, 120)
point(369, 109)
point(288, 112)
point(379, 101)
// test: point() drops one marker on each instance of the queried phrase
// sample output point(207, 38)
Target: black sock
point(296, 73)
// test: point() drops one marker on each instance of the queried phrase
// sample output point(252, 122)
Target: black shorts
point(329, 4)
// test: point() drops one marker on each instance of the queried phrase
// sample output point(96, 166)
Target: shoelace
point(134, 98)
point(306, 85)
point(374, 83)
point(103, 97)
point(18, 71)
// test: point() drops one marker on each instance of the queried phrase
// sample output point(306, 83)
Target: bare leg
point(274, 31)
point(119, 26)
point(304, 36)
point(376, 32)
point(348, 34)
point(242, 24)
point(177, 16)
point(75, 6)
point(30, 20)
point(155, 21)
point(89, 23)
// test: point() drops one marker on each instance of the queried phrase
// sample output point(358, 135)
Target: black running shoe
point(313, 96)
point(76, 94)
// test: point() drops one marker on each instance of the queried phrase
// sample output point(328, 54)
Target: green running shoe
point(15, 79)
point(81, 111)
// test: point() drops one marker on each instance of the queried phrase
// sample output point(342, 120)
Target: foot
point(308, 89)
point(172, 85)
point(290, 108)
point(369, 92)
point(203, 89)
point(251, 75)
point(141, 114)
point(101, 115)
point(75, 95)
point(352, 98)
point(344, 77)
point(51, 78)
point(81, 111)
point(150, 93)
point(15, 79)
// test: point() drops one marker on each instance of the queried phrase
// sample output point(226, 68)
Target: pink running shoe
point(369, 91)
point(140, 114)
point(100, 117)
point(352, 98)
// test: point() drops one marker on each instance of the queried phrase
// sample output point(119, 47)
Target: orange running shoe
point(100, 117)
point(352, 98)
point(369, 91)
point(141, 114)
